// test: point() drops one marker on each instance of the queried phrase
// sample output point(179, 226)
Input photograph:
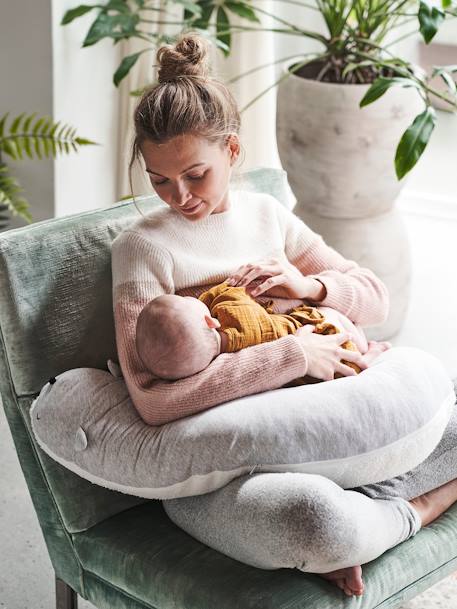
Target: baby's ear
point(212, 322)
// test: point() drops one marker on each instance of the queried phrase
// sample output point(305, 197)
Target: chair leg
point(66, 597)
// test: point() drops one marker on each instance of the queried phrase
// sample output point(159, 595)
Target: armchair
point(118, 551)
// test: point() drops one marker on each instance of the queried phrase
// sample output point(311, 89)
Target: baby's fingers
point(354, 357)
point(345, 370)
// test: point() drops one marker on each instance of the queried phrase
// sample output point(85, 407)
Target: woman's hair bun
point(188, 57)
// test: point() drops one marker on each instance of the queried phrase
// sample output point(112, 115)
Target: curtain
point(140, 75)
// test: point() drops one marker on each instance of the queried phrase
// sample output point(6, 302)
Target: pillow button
point(80, 440)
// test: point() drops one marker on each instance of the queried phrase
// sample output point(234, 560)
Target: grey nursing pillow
point(354, 430)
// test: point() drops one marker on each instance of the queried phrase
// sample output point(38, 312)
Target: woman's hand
point(324, 354)
point(282, 279)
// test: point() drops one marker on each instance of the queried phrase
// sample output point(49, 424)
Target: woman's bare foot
point(348, 579)
point(375, 348)
point(435, 502)
point(429, 507)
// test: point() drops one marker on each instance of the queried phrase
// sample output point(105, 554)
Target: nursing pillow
point(354, 430)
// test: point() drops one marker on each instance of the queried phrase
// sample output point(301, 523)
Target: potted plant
point(35, 137)
point(344, 160)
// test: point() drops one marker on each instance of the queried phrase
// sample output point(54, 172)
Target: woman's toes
point(354, 580)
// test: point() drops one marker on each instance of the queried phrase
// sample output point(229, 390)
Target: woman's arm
point(353, 290)
point(142, 272)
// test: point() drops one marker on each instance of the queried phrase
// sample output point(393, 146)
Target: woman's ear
point(233, 143)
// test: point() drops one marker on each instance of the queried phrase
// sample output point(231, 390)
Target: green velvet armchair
point(117, 551)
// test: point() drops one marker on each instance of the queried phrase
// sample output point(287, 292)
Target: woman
point(187, 134)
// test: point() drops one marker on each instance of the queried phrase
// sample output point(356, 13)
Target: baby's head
point(176, 336)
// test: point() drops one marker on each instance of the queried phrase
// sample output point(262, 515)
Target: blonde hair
point(187, 100)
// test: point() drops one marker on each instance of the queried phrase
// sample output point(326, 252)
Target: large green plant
point(33, 137)
point(353, 48)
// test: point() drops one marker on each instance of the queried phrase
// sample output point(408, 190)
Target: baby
point(178, 336)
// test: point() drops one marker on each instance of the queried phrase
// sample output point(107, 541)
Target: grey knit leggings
point(306, 521)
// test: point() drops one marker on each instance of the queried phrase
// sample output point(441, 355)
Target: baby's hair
point(186, 100)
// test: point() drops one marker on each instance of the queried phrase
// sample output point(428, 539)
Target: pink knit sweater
point(166, 253)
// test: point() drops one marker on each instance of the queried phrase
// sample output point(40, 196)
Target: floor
point(26, 577)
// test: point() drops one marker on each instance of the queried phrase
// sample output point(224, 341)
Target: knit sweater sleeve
point(142, 271)
point(353, 290)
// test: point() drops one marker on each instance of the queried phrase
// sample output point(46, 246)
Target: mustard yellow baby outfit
point(246, 322)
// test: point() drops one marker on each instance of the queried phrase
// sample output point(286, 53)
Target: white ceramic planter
point(340, 163)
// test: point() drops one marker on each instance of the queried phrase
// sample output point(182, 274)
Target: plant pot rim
point(318, 83)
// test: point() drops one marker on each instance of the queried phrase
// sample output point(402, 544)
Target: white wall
point(85, 97)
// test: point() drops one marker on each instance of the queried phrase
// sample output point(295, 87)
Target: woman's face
point(190, 174)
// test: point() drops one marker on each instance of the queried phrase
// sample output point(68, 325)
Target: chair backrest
point(55, 315)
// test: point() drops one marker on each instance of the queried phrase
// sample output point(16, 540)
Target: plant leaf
point(54, 129)
point(222, 25)
point(112, 26)
point(73, 13)
point(353, 66)
point(450, 82)
point(117, 5)
point(430, 19)
point(203, 20)
point(17, 145)
point(125, 66)
point(39, 124)
point(16, 123)
point(414, 141)
point(451, 68)
point(46, 146)
point(381, 85)
point(27, 147)
point(2, 123)
point(27, 122)
point(46, 126)
point(83, 142)
point(243, 10)
point(36, 141)
point(10, 190)
point(138, 92)
point(190, 7)
point(9, 148)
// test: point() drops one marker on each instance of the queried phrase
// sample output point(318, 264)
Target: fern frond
point(10, 195)
point(38, 137)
